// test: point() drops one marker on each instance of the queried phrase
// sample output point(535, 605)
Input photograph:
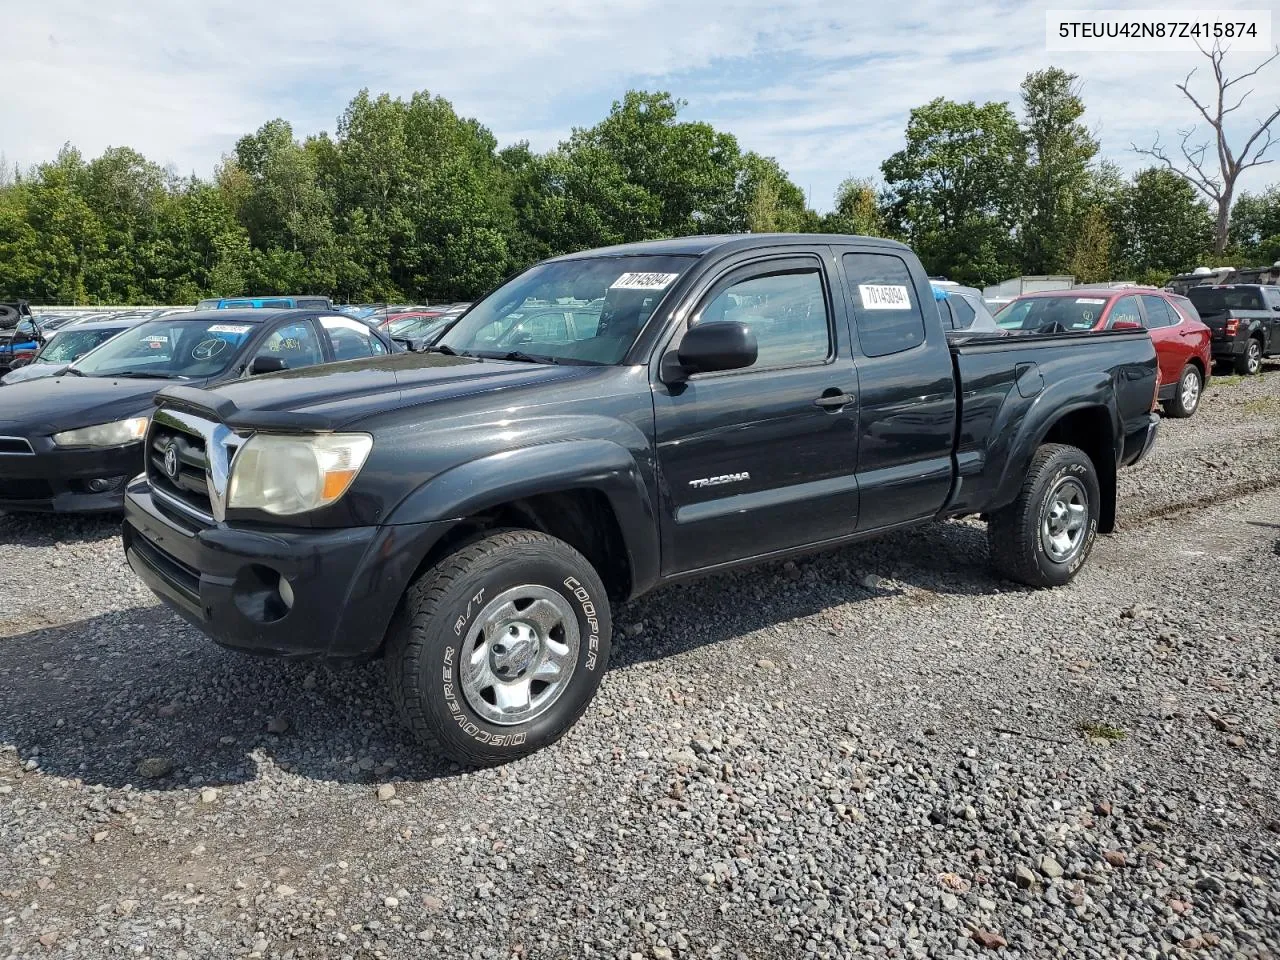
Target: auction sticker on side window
point(643, 281)
point(231, 328)
point(1089, 300)
point(884, 296)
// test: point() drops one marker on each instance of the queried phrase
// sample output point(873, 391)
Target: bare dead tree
point(1218, 185)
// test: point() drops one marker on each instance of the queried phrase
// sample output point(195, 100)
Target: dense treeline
point(407, 200)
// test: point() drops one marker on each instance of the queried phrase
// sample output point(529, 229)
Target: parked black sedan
point(69, 443)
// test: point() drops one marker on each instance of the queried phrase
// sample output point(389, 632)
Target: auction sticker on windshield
point(1089, 300)
point(231, 328)
point(643, 281)
point(884, 296)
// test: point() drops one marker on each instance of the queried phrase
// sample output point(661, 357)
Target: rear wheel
point(1186, 397)
point(1250, 362)
point(1044, 537)
point(499, 648)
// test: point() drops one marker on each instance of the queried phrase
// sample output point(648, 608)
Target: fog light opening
point(286, 593)
point(99, 485)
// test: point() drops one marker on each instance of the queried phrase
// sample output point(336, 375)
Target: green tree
point(857, 209)
point(767, 201)
point(1060, 150)
point(1164, 228)
point(1255, 227)
point(955, 188)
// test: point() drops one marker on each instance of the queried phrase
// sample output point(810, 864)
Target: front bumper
point(51, 479)
point(1139, 443)
point(345, 583)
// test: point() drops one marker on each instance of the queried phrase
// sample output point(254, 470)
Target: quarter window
point(886, 308)
point(787, 312)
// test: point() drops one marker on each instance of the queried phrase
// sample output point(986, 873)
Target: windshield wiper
point(72, 371)
point(141, 375)
point(519, 356)
point(447, 350)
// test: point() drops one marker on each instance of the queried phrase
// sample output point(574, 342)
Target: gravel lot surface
point(879, 751)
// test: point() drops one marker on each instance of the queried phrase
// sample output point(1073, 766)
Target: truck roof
point(701, 245)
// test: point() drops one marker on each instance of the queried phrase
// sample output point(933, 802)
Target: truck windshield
point(588, 310)
point(171, 348)
point(1031, 314)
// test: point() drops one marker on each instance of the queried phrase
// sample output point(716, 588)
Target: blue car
point(265, 303)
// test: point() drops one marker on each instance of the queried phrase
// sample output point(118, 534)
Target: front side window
point(351, 339)
point(886, 309)
point(1125, 309)
point(585, 310)
point(787, 312)
point(295, 343)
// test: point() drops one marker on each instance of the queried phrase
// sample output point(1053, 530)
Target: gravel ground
point(879, 751)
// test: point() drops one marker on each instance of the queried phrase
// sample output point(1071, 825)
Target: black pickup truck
point(602, 424)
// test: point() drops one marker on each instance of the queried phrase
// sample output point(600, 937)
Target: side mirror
point(719, 345)
point(412, 344)
point(267, 364)
point(1126, 325)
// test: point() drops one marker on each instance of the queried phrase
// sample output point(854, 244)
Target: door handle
point(833, 401)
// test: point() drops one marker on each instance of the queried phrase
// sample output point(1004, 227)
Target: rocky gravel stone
point(783, 762)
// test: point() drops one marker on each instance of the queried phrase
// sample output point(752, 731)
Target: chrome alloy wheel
point(1190, 390)
point(1065, 520)
point(519, 654)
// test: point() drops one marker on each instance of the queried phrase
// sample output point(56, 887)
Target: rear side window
point(1158, 313)
point(963, 312)
point(886, 308)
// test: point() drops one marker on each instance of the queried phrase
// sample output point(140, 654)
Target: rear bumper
point(52, 480)
point(1227, 349)
point(345, 583)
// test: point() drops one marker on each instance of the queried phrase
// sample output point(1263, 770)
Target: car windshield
point(171, 348)
point(1036, 313)
point(69, 344)
point(587, 310)
point(1211, 300)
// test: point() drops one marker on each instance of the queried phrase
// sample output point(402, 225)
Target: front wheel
point(1250, 362)
point(1044, 537)
point(1186, 397)
point(498, 649)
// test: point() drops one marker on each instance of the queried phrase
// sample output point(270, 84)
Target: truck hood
point(53, 404)
point(329, 396)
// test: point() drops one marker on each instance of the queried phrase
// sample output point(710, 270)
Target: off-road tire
point(1014, 532)
point(424, 644)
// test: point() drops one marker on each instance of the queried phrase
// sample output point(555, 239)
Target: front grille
point(190, 487)
point(11, 489)
point(19, 445)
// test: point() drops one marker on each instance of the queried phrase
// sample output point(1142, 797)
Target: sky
point(826, 88)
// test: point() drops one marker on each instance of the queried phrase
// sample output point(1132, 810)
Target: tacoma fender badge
point(722, 479)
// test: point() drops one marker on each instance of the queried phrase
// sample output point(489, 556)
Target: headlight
point(287, 474)
point(104, 434)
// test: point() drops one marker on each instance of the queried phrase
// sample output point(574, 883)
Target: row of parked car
point(76, 400)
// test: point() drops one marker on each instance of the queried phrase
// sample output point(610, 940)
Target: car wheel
point(1186, 398)
point(498, 649)
point(1044, 537)
point(1250, 362)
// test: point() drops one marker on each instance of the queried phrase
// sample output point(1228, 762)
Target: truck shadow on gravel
point(92, 700)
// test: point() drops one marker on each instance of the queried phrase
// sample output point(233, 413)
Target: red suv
point(1181, 340)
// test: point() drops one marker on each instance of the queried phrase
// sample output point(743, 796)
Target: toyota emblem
point(172, 465)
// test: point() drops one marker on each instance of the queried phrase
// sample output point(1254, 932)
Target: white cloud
point(824, 87)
